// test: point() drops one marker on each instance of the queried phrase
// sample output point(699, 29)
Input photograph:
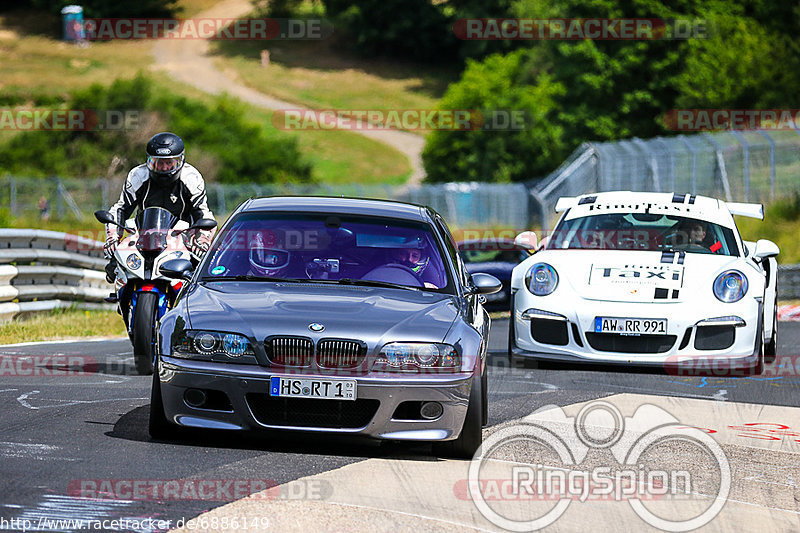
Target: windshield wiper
point(370, 283)
point(251, 277)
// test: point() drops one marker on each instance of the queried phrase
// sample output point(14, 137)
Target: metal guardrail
point(67, 271)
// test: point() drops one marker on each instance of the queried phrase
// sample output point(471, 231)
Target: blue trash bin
point(72, 17)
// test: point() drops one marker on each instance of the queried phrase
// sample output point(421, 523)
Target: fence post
point(771, 164)
point(104, 192)
point(723, 173)
point(694, 161)
point(745, 163)
point(59, 199)
point(12, 192)
point(651, 162)
point(221, 207)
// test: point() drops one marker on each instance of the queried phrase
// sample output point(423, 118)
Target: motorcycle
point(141, 292)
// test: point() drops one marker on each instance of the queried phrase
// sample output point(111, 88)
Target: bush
point(236, 149)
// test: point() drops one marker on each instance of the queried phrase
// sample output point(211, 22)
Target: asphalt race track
point(74, 419)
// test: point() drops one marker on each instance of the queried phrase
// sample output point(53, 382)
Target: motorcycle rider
point(166, 181)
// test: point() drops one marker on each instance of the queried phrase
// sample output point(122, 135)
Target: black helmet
point(165, 158)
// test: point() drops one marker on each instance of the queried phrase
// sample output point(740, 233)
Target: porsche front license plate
point(630, 326)
point(335, 389)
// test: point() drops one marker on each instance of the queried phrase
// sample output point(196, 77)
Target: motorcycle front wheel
point(144, 323)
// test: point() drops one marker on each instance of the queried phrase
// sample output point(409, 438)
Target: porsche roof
point(333, 204)
point(686, 205)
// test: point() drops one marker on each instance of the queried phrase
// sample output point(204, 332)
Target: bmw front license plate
point(630, 326)
point(334, 389)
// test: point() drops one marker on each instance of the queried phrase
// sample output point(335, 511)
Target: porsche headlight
point(541, 279)
point(133, 261)
point(198, 344)
point(730, 286)
point(416, 355)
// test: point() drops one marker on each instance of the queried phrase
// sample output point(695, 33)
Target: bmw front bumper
point(373, 414)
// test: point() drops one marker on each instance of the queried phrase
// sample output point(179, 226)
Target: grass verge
point(41, 71)
point(321, 75)
point(62, 324)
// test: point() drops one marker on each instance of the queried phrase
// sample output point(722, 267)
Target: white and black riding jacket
point(186, 198)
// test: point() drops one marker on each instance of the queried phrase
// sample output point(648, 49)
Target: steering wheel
point(412, 279)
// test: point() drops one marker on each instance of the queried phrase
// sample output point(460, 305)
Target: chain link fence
point(463, 205)
point(752, 166)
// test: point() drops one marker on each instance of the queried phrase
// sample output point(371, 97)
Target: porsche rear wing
point(746, 210)
point(566, 202)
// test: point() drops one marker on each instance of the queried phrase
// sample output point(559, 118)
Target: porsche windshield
point(643, 232)
point(328, 248)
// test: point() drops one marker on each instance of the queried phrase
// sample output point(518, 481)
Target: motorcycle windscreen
point(154, 224)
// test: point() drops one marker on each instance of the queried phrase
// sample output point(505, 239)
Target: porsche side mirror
point(527, 240)
point(765, 248)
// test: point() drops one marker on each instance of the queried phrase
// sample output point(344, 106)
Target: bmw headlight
point(198, 344)
point(417, 355)
point(541, 279)
point(133, 261)
point(730, 286)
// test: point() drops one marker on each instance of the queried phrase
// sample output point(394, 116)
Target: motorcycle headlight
point(730, 286)
point(196, 344)
point(133, 261)
point(541, 279)
point(410, 356)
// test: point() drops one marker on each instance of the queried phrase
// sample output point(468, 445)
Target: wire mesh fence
point(463, 205)
point(751, 166)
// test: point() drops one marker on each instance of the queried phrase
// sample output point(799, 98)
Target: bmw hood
point(373, 315)
point(633, 276)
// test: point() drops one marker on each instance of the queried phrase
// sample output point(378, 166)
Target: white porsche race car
point(646, 278)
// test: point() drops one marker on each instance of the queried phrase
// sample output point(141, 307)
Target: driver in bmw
point(163, 181)
point(416, 259)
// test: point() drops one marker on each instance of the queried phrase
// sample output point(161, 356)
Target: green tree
point(499, 83)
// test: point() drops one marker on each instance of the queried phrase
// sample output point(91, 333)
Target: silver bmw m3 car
point(333, 315)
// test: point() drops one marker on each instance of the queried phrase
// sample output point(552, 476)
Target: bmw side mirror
point(765, 248)
point(177, 269)
point(485, 284)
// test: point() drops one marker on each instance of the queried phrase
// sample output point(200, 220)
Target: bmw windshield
point(328, 248)
point(643, 232)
